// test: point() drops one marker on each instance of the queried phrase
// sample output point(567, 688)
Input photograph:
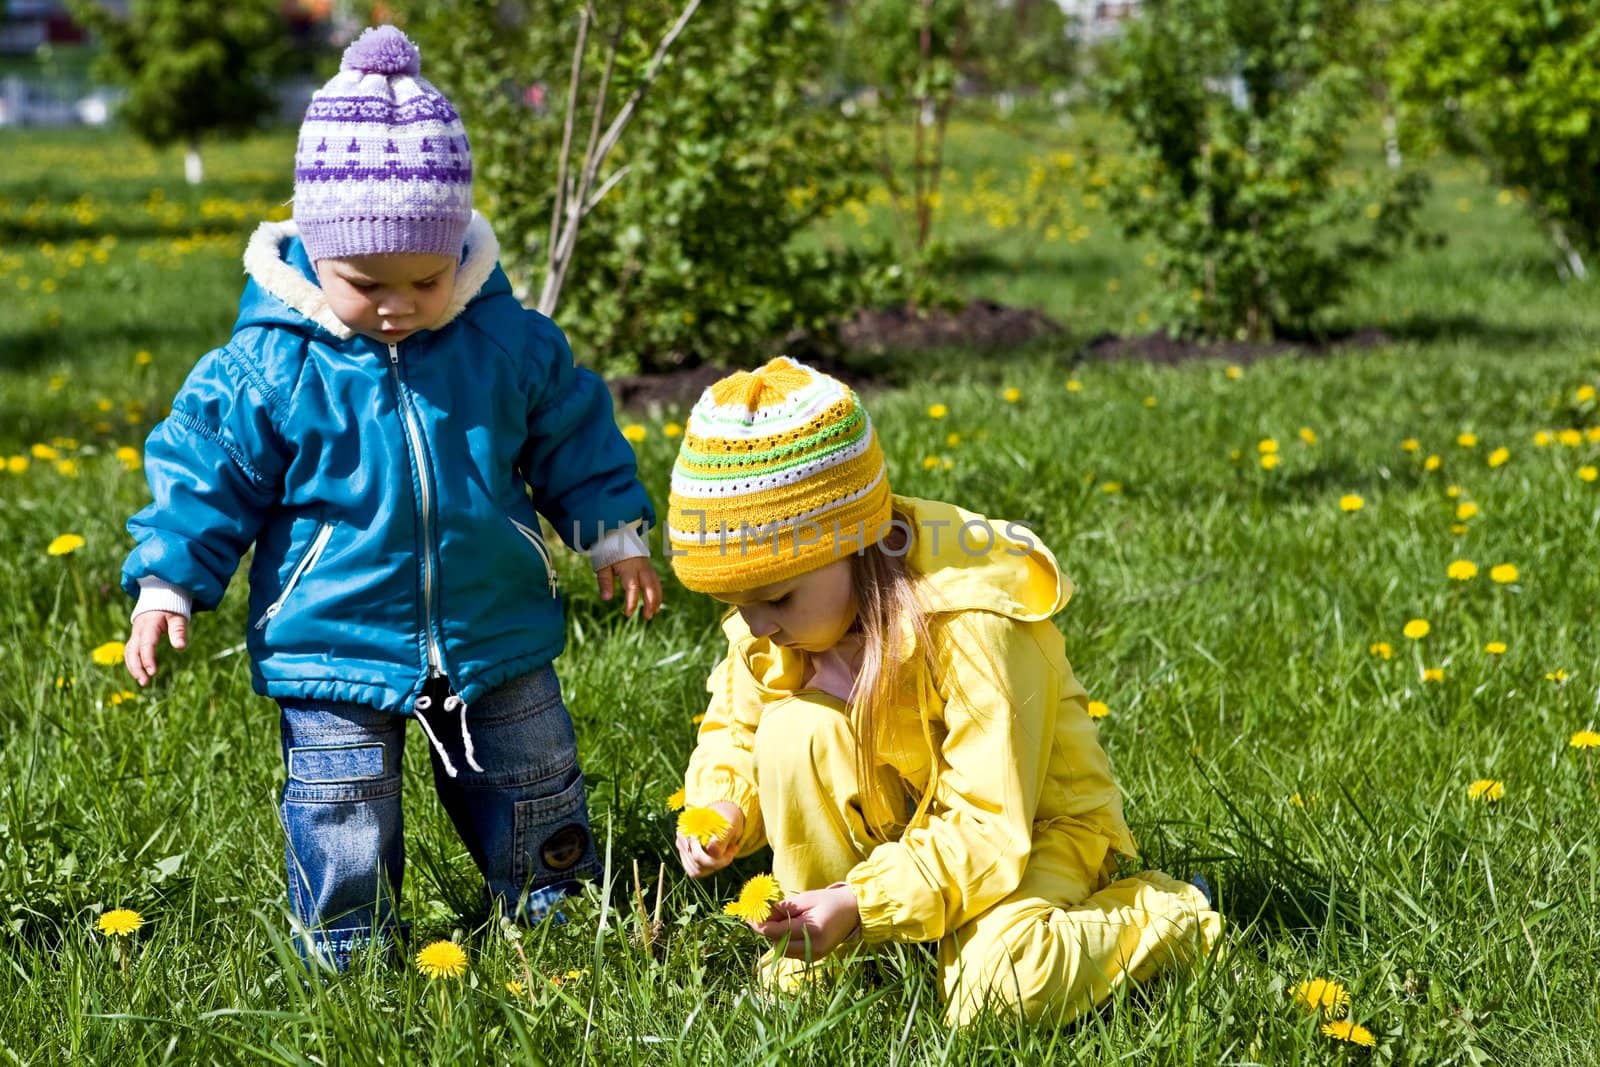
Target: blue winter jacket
point(386, 488)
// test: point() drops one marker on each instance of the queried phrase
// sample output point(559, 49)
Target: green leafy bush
point(1517, 86)
point(699, 252)
point(1239, 110)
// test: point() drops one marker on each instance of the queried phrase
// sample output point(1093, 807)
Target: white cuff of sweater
point(157, 595)
point(618, 545)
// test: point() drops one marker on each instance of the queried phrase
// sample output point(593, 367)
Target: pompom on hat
point(780, 472)
point(382, 163)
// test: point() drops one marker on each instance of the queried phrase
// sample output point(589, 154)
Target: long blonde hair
point(888, 610)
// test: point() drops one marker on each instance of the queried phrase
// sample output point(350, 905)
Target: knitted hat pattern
point(382, 164)
point(780, 472)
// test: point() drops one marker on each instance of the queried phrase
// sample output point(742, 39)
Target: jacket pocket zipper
point(307, 561)
point(544, 554)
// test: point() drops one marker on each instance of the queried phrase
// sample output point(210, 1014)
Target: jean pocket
point(552, 842)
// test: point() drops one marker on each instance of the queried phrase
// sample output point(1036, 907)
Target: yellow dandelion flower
point(1462, 570)
point(16, 464)
point(1432, 463)
point(1556, 676)
point(705, 825)
point(67, 467)
point(1467, 440)
point(635, 432)
point(1410, 444)
point(1351, 502)
point(677, 799)
point(44, 453)
point(672, 430)
point(1487, 790)
point(1308, 800)
point(1308, 435)
point(1495, 648)
point(442, 959)
point(108, 654)
point(1452, 491)
point(142, 358)
point(1233, 372)
point(951, 440)
point(930, 463)
point(1098, 709)
point(64, 545)
point(1584, 394)
point(1542, 439)
point(1345, 1030)
point(1499, 456)
point(1504, 573)
point(1267, 446)
point(1111, 488)
point(1150, 401)
point(1585, 739)
point(516, 989)
point(1592, 435)
point(130, 458)
point(1433, 674)
point(1381, 649)
point(1269, 461)
point(755, 901)
point(1320, 994)
point(1466, 510)
point(1074, 385)
point(119, 922)
point(1011, 395)
point(1458, 528)
point(1570, 437)
point(1588, 473)
point(938, 411)
point(1417, 629)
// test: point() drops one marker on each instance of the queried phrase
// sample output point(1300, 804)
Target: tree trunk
point(193, 169)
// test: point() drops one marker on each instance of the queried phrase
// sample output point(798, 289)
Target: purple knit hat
point(383, 163)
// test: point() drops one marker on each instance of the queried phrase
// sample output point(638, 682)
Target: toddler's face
point(812, 612)
point(388, 297)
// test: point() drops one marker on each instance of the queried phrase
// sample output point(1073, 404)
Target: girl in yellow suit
point(897, 719)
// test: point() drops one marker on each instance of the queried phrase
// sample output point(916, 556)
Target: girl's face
point(812, 612)
point(388, 297)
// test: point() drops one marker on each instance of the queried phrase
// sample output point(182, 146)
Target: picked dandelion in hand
point(705, 825)
point(755, 900)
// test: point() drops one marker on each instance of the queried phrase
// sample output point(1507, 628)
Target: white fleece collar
point(264, 262)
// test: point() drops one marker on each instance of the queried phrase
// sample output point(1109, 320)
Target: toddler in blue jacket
point(386, 426)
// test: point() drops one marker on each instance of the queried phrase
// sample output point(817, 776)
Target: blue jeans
point(523, 818)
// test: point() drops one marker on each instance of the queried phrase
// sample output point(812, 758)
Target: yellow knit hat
point(780, 473)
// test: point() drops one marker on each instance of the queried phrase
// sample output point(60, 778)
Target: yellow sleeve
point(1000, 690)
point(722, 766)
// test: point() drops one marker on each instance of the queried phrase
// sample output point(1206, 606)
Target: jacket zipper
point(544, 554)
point(425, 501)
point(313, 552)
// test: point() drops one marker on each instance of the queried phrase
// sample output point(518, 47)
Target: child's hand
point(812, 924)
point(700, 860)
point(637, 577)
point(140, 652)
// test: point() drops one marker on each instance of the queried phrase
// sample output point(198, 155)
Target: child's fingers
point(652, 595)
point(178, 631)
point(604, 574)
point(133, 658)
point(631, 581)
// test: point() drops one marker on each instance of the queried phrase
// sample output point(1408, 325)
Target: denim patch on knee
point(332, 764)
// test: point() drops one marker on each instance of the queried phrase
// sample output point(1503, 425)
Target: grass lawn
point(1269, 720)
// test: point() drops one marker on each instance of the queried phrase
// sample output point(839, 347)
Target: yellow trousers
point(1059, 944)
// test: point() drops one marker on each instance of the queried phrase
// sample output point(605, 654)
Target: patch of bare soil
point(1159, 348)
